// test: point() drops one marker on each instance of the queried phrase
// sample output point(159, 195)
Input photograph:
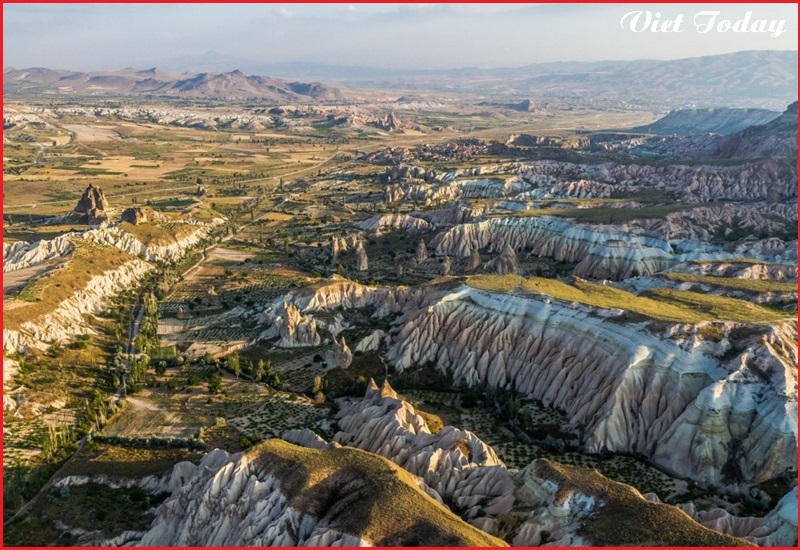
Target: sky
point(405, 36)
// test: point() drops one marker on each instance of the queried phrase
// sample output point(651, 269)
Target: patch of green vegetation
point(159, 234)
point(193, 173)
point(660, 304)
point(91, 507)
point(750, 285)
point(433, 421)
point(717, 307)
point(128, 461)
point(383, 502)
point(172, 203)
point(96, 172)
point(62, 195)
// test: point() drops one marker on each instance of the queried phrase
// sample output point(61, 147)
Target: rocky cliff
point(20, 255)
point(66, 320)
point(384, 222)
point(719, 410)
point(777, 528)
point(462, 469)
point(545, 504)
point(278, 494)
point(633, 389)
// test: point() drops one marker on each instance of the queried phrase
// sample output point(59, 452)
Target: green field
point(659, 304)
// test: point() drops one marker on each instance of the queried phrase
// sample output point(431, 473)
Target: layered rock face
point(707, 222)
point(67, 320)
point(571, 506)
point(455, 463)
point(347, 294)
point(689, 122)
point(404, 172)
point(371, 342)
point(542, 236)
point(229, 501)
point(21, 254)
point(506, 263)
point(774, 139)
point(616, 252)
point(753, 181)
point(489, 188)
point(119, 238)
point(602, 251)
point(278, 494)
point(772, 249)
point(341, 354)
point(618, 260)
point(449, 215)
point(777, 528)
point(740, 270)
point(286, 322)
point(545, 504)
point(377, 224)
point(632, 390)
point(580, 189)
point(655, 389)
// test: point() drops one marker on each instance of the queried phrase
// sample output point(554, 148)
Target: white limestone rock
point(67, 320)
point(422, 252)
point(286, 322)
point(371, 342)
point(382, 222)
point(341, 355)
point(504, 264)
point(570, 357)
point(619, 260)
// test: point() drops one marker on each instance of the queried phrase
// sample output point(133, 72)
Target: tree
point(320, 385)
point(234, 364)
point(214, 384)
point(161, 368)
point(276, 380)
point(260, 371)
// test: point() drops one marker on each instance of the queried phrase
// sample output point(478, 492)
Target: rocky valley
point(242, 310)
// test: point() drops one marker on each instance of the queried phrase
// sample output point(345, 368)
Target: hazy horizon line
point(147, 67)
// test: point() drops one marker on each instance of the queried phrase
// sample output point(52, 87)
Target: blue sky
point(112, 36)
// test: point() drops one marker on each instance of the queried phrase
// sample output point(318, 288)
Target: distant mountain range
point(761, 79)
point(765, 79)
point(156, 82)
